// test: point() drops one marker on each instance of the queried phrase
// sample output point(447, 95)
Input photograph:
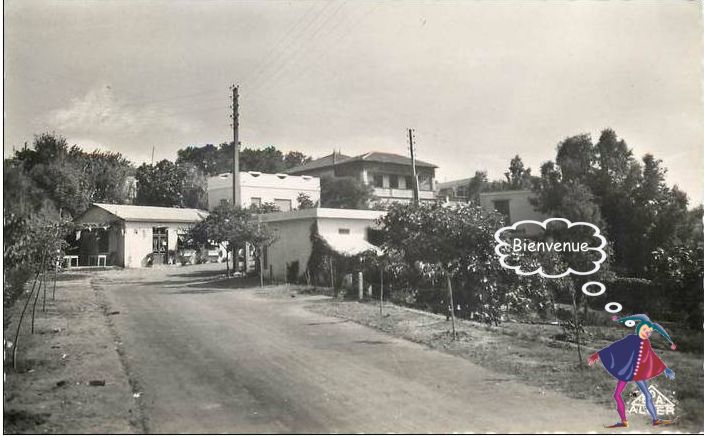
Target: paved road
point(213, 359)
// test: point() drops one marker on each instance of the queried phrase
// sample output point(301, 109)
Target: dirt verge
point(69, 377)
point(527, 354)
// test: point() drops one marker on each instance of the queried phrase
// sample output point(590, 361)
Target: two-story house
point(391, 175)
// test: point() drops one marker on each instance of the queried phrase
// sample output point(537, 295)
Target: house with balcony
point(391, 175)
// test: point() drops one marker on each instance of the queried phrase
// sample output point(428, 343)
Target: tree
point(295, 158)
point(232, 227)
point(456, 244)
point(67, 177)
point(345, 193)
point(170, 185)
point(517, 176)
point(305, 202)
point(206, 158)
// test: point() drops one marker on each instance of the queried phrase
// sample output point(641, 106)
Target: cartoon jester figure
point(633, 359)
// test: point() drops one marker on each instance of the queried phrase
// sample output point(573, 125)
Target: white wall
point(268, 187)
point(293, 231)
point(519, 207)
point(138, 240)
point(293, 244)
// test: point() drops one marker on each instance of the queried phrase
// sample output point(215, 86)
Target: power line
point(291, 57)
point(267, 58)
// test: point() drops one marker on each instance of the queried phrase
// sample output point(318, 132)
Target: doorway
point(160, 245)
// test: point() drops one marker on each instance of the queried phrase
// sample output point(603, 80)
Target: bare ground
point(72, 347)
point(527, 353)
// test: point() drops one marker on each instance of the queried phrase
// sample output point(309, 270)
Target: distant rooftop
point(153, 213)
point(375, 156)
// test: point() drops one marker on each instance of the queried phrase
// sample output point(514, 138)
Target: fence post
point(360, 285)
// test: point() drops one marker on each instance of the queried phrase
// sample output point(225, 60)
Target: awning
point(349, 245)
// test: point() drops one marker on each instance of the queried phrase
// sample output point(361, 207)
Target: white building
point(515, 205)
point(130, 236)
point(257, 188)
point(344, 230)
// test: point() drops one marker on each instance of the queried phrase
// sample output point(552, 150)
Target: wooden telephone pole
point(236, 200)
point(416, 194)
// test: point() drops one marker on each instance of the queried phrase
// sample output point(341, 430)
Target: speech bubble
point(581, 244)
point(504, 249)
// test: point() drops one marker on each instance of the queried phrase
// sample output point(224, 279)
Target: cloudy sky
point(479, 81)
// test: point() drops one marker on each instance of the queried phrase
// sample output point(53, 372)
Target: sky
point(479, 81)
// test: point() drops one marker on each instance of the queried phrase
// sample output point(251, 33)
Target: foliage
point(27, 239)
point(305, 202)
point(436, 241)
point(345, 193)
point(58, 177)
point(232, 227)
point(170, 185)
point(266, 207)
point(518, 176)
point(212, 160)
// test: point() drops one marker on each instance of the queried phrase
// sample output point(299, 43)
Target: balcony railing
point(383, 193)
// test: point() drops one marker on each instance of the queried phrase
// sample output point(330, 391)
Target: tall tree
point(169, 185)
point(518, 176)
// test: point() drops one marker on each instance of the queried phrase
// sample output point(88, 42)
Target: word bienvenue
point(519, 245)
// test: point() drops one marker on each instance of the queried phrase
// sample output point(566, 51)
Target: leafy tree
point(456, 244)
point(518, 176)
point(69, 178)
point(295, 158)
point(213, 160)
point(345, 193)
point(305, 202)
point(206, 158)
point(170, 185)
point(232, 227)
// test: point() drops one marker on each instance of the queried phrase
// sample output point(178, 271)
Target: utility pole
point(236, 200)
point(416, 194)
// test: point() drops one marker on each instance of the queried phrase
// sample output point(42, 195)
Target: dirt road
point(215, 359)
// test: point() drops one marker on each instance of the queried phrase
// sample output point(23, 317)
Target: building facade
point(130, 236)
point(257, 188)
point(345, 230)
point(514, 205)
point(390, 175)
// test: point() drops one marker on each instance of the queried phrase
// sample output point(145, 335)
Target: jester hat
point(642, 319)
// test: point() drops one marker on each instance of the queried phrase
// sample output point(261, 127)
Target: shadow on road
point(201, 274)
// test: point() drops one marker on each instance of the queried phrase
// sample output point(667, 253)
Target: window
point(503, 207)
point(393, 181)
point(343, 231)
point(409, 181)
point(425, 182)
point(160, 240)
point(255, 201)
point(378, 181)
point(284, 204)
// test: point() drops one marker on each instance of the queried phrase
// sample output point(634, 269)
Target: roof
point(391, 158)
point(453, 183)
point(374, 156)
point(152, 213)
point(322, 213)
point(323, 162)
point(348, 245)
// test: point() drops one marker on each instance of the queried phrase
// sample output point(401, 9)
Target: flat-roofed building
point(343, 230)
point(257, 188)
